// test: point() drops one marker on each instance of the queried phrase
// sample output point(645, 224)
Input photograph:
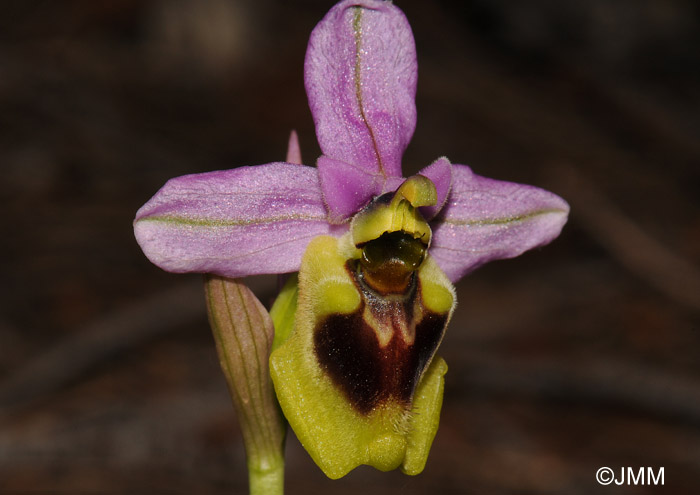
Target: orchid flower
point(356, 372)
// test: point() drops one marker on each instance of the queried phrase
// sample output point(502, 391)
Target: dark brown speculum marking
point(368, 373)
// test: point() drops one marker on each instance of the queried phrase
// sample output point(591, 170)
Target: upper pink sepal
point(360, 76)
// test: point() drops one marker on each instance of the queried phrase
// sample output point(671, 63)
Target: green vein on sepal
point(200, 222)
point(501, 221)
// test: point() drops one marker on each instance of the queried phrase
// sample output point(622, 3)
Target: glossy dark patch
point(348, 350)
point(389, 262)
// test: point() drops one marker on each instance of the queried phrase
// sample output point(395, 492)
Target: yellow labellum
point(357, 379)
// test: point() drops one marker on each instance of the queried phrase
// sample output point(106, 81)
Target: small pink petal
point(440, 172)
point(346, 188)
point(293, 149)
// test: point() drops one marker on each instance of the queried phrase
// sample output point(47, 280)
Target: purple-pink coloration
point(234, 223)
point(486, 219)
point(293, 149)
point(360, 75)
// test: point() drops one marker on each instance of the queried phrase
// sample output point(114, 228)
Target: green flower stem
point(243, 332)
point(268, 479)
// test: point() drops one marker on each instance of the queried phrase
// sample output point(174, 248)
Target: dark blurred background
point(580, 355)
